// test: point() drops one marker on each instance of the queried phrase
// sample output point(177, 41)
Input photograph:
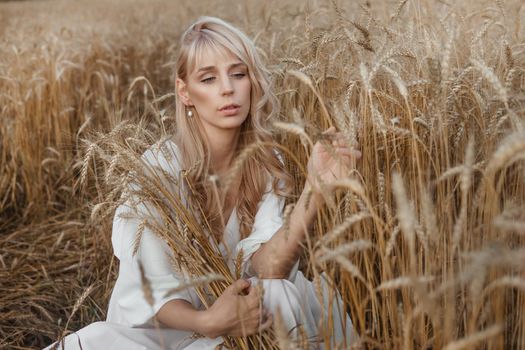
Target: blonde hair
point(255, 172)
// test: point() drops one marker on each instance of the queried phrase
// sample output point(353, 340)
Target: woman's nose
point(226, 86)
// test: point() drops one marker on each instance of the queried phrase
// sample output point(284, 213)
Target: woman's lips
point(230, 110)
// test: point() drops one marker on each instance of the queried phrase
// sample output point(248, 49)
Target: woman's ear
point(182, 91)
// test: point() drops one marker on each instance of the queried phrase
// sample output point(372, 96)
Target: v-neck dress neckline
point(230, 238)
point(232, 215)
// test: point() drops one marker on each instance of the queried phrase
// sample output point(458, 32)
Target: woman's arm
point(180, 314)
point(276, 258)
point(232, 313)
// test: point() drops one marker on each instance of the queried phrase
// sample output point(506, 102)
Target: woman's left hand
point(329, 164)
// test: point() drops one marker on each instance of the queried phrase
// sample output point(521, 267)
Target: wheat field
point(425, 240)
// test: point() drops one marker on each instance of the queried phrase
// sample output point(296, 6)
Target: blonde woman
point(224, 103)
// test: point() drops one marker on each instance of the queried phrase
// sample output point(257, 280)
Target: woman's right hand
point(236, 314)
point(322, 165)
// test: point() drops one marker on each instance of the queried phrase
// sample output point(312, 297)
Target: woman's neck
point(222, 149)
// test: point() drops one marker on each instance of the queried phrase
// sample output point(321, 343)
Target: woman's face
point(219, 88)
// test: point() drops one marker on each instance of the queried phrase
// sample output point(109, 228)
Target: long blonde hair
point(262, 164)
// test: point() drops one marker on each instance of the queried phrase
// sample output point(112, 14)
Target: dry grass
point(427, 248)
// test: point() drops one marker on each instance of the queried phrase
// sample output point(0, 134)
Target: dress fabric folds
point(129, 324)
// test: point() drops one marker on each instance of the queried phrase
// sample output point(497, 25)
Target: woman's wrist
point(312, 197)
point(306, 208)
point(208, 324)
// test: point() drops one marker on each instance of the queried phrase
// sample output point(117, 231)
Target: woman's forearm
point(231, 314)
point(179, 314)
point(276, 258)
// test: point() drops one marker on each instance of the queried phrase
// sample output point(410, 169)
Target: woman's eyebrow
point(235, 65)
point(210, 68)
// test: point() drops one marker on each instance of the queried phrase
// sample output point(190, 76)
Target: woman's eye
point(239, 75)
point(208, 80)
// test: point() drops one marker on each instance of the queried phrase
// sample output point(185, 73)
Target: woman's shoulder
point(271, 176)
point(164, 155)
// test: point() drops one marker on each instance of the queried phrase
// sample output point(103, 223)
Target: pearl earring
point(189, 113)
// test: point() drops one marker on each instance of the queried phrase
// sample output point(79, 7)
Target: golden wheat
point(431, 94)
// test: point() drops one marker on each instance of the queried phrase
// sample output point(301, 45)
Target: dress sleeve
point(154, 255)
point(268, 220)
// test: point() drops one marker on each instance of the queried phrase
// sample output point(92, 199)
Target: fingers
point(346, 161)
point(343, 151)
point(255, 301)
point(349, 152)
point(238, 286)
point(332, 134)
point(267, 322)
point(330, 130)
point(261, 321)
point(337, 138)
point(255, 292)
point(342, 141)
point(252, 321)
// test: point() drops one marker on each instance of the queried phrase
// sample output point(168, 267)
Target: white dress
point(129, 324)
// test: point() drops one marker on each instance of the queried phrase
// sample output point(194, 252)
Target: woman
point(224, 104)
